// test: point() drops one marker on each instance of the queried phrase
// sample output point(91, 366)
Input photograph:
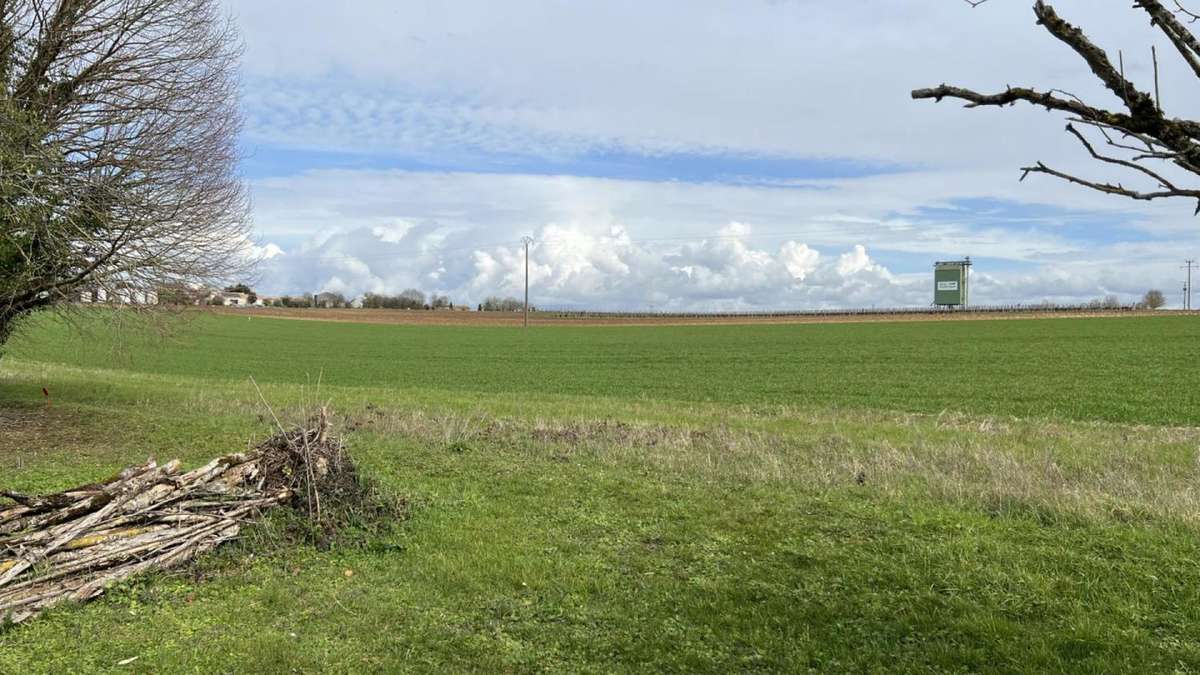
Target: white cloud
point(571, 266)
point(463, 209)
point(392, 233)
point(634, 244)
point(856, 261)
point(265, 252)
point(799, 259)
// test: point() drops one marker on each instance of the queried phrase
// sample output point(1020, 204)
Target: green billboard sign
point(950, 283)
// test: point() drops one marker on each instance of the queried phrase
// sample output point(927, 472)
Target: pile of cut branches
point(74, 544)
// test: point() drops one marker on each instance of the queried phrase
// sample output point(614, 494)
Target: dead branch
point(1110, 188)
point(1163, 138)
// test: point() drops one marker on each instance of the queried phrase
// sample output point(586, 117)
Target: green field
point(1126, 370)
point(948, 496)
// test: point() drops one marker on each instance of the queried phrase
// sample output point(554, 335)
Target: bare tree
point(494, 303)
point(118, 131)
point(411, 298)
point(1153, 299)
point(1141, 139)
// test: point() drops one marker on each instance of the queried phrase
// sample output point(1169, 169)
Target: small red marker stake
point(46, 394)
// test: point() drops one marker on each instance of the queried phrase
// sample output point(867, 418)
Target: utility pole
point(527, 241)
point(1187, 298)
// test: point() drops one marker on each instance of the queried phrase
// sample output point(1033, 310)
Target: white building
point(121, 295)
point(235, 299)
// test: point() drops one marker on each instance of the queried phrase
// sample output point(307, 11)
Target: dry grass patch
point(1107, 472)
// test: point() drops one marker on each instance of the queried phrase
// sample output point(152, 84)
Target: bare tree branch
point(1180, 9)
point(1162, 182)
point(1183, 40)
point(1109, 188)
point(1162, 139)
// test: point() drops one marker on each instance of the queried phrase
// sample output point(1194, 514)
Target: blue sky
point(692, 155)
point(267, 160)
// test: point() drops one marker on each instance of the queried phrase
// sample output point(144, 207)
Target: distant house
point(90, 296)
point(118, 295)
point(329, 300)
point(356, 303)
point(234, 299)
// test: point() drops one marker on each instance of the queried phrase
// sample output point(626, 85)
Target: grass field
point(1121, 370)
point(947, 496)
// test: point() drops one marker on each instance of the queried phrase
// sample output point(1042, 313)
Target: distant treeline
point(293, 301)
point(1109, 304)
point(407, 299)
point(497, 304)
point(414, 299)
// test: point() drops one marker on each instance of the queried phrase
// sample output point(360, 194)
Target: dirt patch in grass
point(46, 449)
point(40, 427)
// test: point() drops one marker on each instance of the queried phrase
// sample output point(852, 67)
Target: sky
point(688, 155)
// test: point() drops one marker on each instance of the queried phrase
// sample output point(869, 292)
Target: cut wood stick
point(74, 544)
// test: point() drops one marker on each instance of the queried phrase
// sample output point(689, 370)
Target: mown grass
point(579, 531)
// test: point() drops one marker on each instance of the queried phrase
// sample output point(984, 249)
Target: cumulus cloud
point(856, 261)
point(264, 252)
point(627, 244)
point(392, 233)
point(799, 259)
point(570, 267)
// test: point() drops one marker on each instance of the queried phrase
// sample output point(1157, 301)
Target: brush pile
point(74, 544)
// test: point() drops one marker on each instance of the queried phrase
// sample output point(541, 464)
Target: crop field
point(1003, 496)
point(1112, 369)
